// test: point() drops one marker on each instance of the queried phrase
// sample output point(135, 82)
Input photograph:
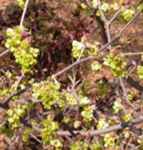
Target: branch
point(132, 53)
point(134, 83)
point(125, 93)
point(73, 65)
point(108, 35)
point(5, 103)
point(103, 131)
point(121, 31)
point(104, 47)
point(115, 16)
point(4, 53)
point(24, 12)
point(105, 23)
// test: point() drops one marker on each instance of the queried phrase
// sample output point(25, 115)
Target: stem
point(73, 65)
point(125, 93)
point(24, 13)
point(115, 16)
point(4, 53)
point(132, 54)
point(106, 24)
point(104, 131)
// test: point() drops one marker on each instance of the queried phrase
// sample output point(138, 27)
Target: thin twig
point(24, 13)
point(73, 90)
point(19, 80)
point(73, 65)
point(104, 131)
point(92, 132)
point(135, 84)
point(35, 138)
point(131, 21)
point(105, 22)
point(4, 53)
point(107, 29)
point(115, 16)
point(125, 93)
point(132, 53)
point(121, 31)
point(4, 104)
point(102, 15)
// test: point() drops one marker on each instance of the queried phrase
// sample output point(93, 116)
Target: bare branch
point(4, 104)
point(104, 47)
point(114, 16)
point(104, 131)
point(73, 65)
point(125, 93)
point(24, 12)
point(106, 24)
point(4, 53)
point(132, 53)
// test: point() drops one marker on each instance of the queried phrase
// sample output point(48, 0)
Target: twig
point(132, 53)
point(115, 16)
point(73, 90)
point(4, 53)
point(121, 31)
point(106, 24)
point(19, 80)
point(35, 138)
point(135, 84)
point(103, 17)
point(24, 12)
point(131, 21)
point(73, 65)
point(4, 104)
point(104, 131)
point(107, 29)
point(125, 93)
point(108, 35)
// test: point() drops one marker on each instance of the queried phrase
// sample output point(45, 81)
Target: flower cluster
point(117, 64)
point(15, 115)
point(96, 66)
point(26, 135)
point(117, 106)
point(25, 55)
point(78, 145)
point(77, 49)
point(109, 141)
point(48, 92)
point(81, 49)
point(102, 123)
point(72, 100)
point(127, 14)
point(21, 3)
point(48, 132)
point(87, 113)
